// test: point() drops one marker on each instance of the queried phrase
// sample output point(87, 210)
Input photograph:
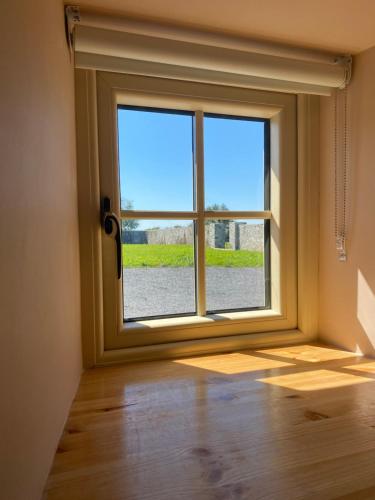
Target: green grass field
point(182, 256)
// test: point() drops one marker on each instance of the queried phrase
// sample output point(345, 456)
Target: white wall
point(40, 358)
point(347, 290)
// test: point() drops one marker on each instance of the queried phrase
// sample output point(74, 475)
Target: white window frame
point(292, 318)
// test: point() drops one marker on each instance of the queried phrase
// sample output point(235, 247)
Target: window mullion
point(200, 222)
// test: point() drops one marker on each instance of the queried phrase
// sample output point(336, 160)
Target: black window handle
point(109, 219)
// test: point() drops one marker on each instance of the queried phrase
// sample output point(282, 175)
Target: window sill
point(209, 320)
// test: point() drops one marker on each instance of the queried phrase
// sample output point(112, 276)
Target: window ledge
point(210, 319)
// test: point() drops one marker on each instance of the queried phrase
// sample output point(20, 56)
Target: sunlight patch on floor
point(363, 367)
point(309, 353)
point(315, 380)
point(231, 364)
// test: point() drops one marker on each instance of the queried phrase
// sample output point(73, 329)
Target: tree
point(128, 224)
point(217, 206)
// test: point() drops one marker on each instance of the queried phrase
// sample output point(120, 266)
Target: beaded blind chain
point(341, 155)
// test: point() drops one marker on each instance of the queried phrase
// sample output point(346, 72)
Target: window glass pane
point(156, 159)
point(158, 268)
point(234, 163)
point(235, 265)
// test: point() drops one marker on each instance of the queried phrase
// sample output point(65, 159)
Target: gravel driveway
point(160, 291)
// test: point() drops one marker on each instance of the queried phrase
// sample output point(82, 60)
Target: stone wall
point(162, 236)
point(170, 236)
point(215, 235)
point(241, 236)
point(234, 235)
point(251, 237)
point(134, 237)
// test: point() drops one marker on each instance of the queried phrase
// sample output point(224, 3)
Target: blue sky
point(156, 161)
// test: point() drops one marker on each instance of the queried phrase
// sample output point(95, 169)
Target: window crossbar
point(207, 214)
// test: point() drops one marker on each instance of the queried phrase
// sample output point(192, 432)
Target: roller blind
point(110, 43)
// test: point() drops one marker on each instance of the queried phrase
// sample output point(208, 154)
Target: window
point(202, 179)
point(183, 260)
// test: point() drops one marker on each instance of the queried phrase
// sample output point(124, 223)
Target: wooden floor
point(287, 423)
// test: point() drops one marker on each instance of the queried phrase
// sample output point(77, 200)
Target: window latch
point(111, 226)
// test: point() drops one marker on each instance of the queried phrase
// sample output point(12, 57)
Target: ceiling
point(336, 25)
